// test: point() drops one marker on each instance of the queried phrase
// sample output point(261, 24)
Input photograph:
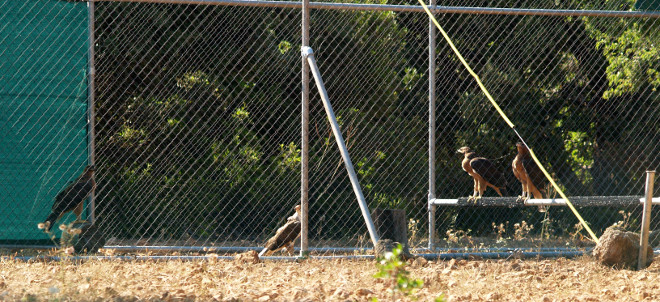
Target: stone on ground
point(620, 249)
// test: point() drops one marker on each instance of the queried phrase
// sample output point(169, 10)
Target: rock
point(419, 262)
point(493, 296)
point(90, 239)
point(386, 245)
point(341, 293)
point(250, 257)
point(363, 292)
point(620, 249)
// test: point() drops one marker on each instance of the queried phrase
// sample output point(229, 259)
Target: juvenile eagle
point(484, 173)
point(285, 236)
point(528, 173)
point(72, 198)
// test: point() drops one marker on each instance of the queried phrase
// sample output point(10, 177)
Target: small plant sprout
point(500, 230)
point(522, 229)
point(67, 239)
point(392, 268)
point(413, 230)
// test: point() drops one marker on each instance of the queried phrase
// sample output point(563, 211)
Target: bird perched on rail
point(72, 198)
point(529, 174)
point(285, 236)
point(484, 173)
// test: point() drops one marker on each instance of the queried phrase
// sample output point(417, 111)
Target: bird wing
point(518, 170)
point(535, 174)
point(284, 235)
point(72, 195)
point(488, 171)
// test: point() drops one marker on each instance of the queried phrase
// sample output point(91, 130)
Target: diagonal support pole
point(308, 53)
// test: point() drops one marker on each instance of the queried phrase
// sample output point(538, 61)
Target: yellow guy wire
point(506, 119)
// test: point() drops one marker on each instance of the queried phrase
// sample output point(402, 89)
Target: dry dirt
point(322, 280)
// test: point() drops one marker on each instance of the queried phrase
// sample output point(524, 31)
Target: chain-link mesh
point(43, 105)
point(198, 121)
point(581, 91)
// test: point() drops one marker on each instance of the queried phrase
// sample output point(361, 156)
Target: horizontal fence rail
point(439, 9)
point(582, 201)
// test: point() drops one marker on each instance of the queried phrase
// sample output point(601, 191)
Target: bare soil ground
point(322, 280)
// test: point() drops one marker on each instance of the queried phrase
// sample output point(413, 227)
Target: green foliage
point(284, 46)
point(633, 57)
point(391, 266)
point(289, 159)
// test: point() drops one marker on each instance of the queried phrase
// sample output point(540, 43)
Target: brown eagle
point(529, 174)
point(285, 236)
point(71, 198)
point(484, 173)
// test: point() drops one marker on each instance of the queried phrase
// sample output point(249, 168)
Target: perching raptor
point(71, 198)
point(285, 236)
point(484, 173)
point(528, 173)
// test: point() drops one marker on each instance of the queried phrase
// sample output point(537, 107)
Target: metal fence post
point(91, 74)
point(304, 149)
point(431, 208)
point(646, 220)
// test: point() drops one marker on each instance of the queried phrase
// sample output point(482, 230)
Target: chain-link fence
point(197, 136)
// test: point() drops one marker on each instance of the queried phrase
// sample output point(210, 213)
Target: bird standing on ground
point(72, 198)
point(529, 174)
point(285, 236)
point(484, 173)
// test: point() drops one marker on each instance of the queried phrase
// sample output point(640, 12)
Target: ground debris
point(579, 279)
point(249, 257)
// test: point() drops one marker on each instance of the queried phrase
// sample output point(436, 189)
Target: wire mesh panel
point(43, 110)
point(582, 92)
point(374, 65)
point(198, 120)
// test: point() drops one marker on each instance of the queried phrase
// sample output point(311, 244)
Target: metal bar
point(304, 149)
point(219, 249)
point(431, 209)
point(309, 54)
point(646, 221)
point(580, 201)
point(443, 256)
point(411, 8)
point(238, 249)
point(91, 95)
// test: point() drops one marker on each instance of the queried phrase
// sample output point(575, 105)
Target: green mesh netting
point(43, 110)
